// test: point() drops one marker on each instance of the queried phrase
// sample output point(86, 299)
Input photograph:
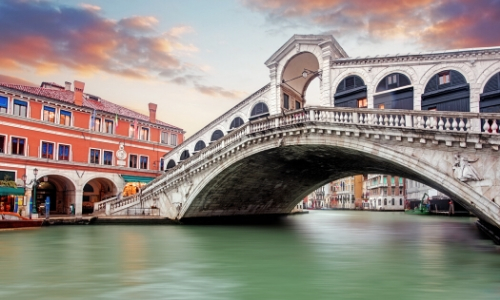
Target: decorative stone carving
point(463, 170)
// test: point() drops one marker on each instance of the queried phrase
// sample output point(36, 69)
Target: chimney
point(67, 86)
point(152, 112)
point(78, 94)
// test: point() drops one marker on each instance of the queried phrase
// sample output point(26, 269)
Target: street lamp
point(35, 183)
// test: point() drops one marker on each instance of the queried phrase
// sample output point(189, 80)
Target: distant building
point(81, 147)
point(384, 192)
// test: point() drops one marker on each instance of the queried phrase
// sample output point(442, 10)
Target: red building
point(82, 148)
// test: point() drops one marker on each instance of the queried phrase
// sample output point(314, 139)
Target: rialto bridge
point(431, 117)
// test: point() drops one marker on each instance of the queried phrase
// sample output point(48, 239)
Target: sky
point(197, 58)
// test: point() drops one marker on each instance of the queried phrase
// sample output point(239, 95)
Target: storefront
point(11, 198)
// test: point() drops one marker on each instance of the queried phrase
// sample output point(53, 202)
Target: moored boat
point(10, 220)
point(421, 209)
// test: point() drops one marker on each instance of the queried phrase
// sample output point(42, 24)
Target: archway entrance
point(96, 190)
point(60, 190)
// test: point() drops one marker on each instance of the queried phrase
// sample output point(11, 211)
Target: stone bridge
point(268, 165)
point(431, 117)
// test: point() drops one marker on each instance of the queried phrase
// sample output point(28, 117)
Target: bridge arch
point(407, 71)
point(486, 75)
point(294, 167)
point(184, 155)
point(463, 69)
point(200, 145)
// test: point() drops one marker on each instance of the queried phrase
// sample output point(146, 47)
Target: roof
point(67, 96)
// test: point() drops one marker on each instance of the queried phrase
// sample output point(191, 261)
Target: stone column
point(26, 208)
point(275, 97)
point(77, 201)
point(325, 82)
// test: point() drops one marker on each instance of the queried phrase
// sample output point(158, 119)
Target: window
point(132, 161)
point(18, 146)
point(64, 117)
point(164, 137)
point(49, 114)
point(47, 150)
point(20, 108)
point(381, 106)
point(385, 201)
point(173, 139)
point(362, 103)
point(400, 201)
point(162, 164)
point(144, 134)
point(379, 201)
point(108, 126)
point(131, 131)
point(144, 162)
point(297, 105)
point(444, 77)
point(63, 152)
point(3, 104)
point(286, 101)
point(2, 144)
point(392, 201)
point(97, 125)
point(108, 158)
point(392, 79)
point(95, 156)
point(237, 122)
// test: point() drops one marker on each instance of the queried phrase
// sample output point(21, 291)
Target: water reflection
point(322, 255)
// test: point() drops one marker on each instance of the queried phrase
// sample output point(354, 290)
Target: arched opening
point(259, 110)
point(216, 135)
point(170, 164)
point(58, 190)
point(297, 75)
point(200, 145)
point(391, 95)
point(237, 122)
point(490, 102)
point(184, 155)
point(312, 94)
point(351, 92)
point(97, 190)
point(447, 91)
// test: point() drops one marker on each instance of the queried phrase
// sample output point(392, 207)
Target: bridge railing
point(432, 120)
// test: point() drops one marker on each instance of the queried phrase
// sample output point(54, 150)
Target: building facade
point(74, 148)
point(384, 192)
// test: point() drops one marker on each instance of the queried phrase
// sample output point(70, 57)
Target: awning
point(132, 178)
point(7, 190)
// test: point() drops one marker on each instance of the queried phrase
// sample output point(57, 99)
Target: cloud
point(90, 6)
point(217, 91)
point(15, 80)
point(445, 24)
point(47, 37)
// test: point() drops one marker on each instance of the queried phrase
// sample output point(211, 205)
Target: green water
point(321, 255)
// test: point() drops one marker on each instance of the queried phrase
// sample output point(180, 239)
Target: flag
point(116, 121)
point(136, 129)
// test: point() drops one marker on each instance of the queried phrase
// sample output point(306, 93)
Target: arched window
point(351, 92)
point(400, 201)
point(184, 155)
point(237, 122)
point(398, 99)
point(216, 135)
point(385, 201)
point(490, 98)
point(447, 91)
point(171, 164)
point(200, 145)
point(259, 110)
point(392, 202)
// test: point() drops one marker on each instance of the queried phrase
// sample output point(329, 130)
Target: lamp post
point(35, 183)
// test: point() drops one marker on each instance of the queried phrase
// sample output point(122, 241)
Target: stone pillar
point(417, 97)
point(26, 208)
point(77, 201)
point(275, 93)
point(325, 82)
point(474, 98)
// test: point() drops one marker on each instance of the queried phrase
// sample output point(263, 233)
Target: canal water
point(320, 255)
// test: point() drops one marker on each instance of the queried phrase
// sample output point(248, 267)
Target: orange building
point(74, 148)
